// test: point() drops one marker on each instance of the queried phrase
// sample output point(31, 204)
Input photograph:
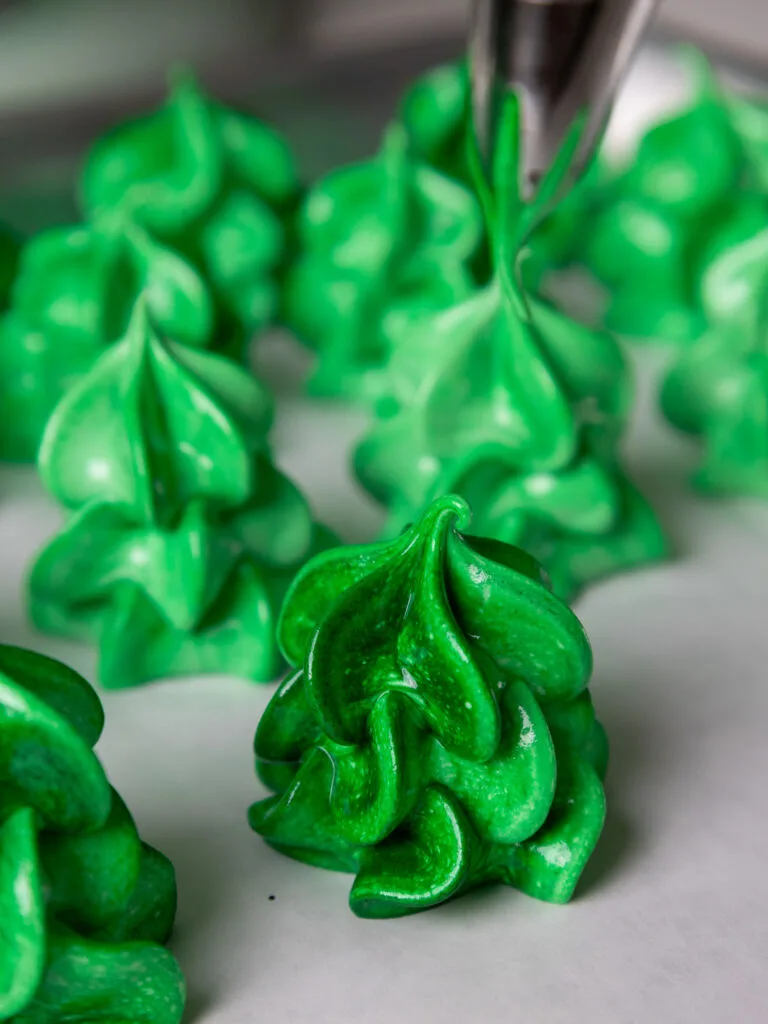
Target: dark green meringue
point(437, 733)
point(84, 905)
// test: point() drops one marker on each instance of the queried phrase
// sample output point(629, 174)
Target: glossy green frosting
point(214, 184)
point(689, 194)
point(437, 733)
point(71, 299)
point(84, 905)
point(506, 401)
point(185, 206)
point(183, 536)
point(382, 244)
point(717, 390)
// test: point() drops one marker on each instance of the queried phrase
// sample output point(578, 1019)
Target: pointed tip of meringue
point(183, 81)
point(449, 506)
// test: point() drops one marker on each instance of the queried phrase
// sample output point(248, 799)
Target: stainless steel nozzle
point(564, 59)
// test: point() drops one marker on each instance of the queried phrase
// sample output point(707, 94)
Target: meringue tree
point(503, 399)
point(217, 185)
point(437, 732)
point(692, 191)
point(183, 535)
point(382, 244)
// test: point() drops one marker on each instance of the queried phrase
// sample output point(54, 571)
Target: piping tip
point(564, 60)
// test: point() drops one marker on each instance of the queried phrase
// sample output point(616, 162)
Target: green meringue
point(506, 401)
point(717, 390)
point(214, 184)
point(689, 194)
point(183, 536)
point(437, 733)
point(382, 244)
point(85, 906)
point(435, 115)
point(71, 299)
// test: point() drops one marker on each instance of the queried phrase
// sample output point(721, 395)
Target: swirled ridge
point(437, 732)
point(693, 190)
point(72, 298)
point(717, 389)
